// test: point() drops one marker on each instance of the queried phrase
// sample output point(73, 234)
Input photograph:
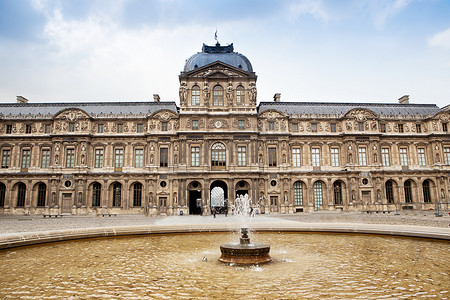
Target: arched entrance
point(195, 198)
point(219, 196)
point(242, 188)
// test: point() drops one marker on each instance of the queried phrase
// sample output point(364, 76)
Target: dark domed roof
point(215, 53)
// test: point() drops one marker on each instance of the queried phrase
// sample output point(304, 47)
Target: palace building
point(157, 158)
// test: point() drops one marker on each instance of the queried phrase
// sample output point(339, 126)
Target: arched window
point(218, 96)
point(21, 192)
point(117, 194)
point(318, 195)
point(96, 194)
point(426, 191)
point(195, 95)
point(337, 187)
point(42, 192)
point(240, 95)
point(389, 191)
point(218, 155)
point(137, 194)
point(2, 194)
point(298, 193)
point(408, 191)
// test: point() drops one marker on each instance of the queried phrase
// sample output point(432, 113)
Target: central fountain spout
point(245, 240)
point(244, 253)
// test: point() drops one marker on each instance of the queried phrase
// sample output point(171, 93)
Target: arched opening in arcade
point(219, 196)
point(195, 198)
point(242, 188)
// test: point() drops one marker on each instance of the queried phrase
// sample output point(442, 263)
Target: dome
point(215, 53)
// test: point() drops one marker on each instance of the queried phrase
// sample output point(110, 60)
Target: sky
point(307, 50)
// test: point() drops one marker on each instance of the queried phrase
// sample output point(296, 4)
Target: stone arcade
point(156, 158)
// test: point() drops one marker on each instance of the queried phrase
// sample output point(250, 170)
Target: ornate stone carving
point(206, 93)
point(252, 93)
point(183, 93)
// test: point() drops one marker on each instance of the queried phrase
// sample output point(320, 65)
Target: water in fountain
point(244, 252)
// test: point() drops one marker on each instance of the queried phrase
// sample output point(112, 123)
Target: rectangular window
point(45, 158)
point(400, 128)
point(119, 128)
point(447, 155)
point(419, 128)
point(70, 157)
point(385, 156)
point(27, 128)
point(313, 127)
point(421, 156)
point(71, 127)
point(296, 162)
point(272, 157)
point(140, 128)
point(360, 126)
point(382, 127)
point(444, 127)
point(295, 127)
point(98, 158)
point(8, 129)
point(194, 124)
point(241, 124)
point(271, 126)
point(118, 158)
point(362, 156)
point(164, 157)
point(26, 158)
point(100, 128)
point(6, 158)
point(242, 152)
point(195, 96)
point(315, 157)
point(138, 158)
point(163, 126)
point(195, 156)
point(48, 128)
point(332, 127)
point(335, 157)
point(403, 156)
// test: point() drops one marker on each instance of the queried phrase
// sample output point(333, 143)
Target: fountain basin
point(245, 254)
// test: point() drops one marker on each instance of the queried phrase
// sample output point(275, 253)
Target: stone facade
point(156, 158)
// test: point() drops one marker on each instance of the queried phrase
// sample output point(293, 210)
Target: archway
point(242, 188)
point(219, 196)
point(195, 198)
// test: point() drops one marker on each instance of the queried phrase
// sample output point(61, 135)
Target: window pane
point(195, 156)
point(403, 157)
point(119, 158)
point(272, 157)
point(70, 158)
point(296, 157)
point(317, 195)
point(98, 158)
point(447, 155)
point(385, 156)
point(240, 96)
point(45, 160)
point(139, 158)
point(195, 93)
point(298, 193)
point(6, 158)
point(218, 96)
point(164, 157)
point(334, 157)
point(315, 157)
point(421, 156)
point(362, 156)
point(242, 155)
point(26, 158)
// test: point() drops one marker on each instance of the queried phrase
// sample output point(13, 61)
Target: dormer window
point(71, 127)
point(27, 128)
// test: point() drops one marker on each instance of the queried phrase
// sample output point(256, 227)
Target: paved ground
point(18, 224)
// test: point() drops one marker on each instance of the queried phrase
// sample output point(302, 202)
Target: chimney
point(277, 97)
point(156, 98)
point(404, 99)
point(21, 99)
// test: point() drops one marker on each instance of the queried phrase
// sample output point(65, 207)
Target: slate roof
point(92, 108)
point(340, 109)
point(212, 54)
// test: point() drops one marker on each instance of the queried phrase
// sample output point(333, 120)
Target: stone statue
point(206, 93)
point(183, 93)
point(230, 94)
point(253, 93)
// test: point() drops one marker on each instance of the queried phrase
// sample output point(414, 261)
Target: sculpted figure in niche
point(206, 93)
point(253, 92)
point(230, 93)
point(183, 93)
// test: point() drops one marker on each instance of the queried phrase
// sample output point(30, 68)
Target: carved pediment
point(165, 115)
point(72, 115)
point(272, 115)
point(217, 70)
point(361, 114)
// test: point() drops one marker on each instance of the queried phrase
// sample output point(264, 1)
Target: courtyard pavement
point(35, 223)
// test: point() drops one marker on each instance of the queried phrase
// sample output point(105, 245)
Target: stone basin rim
point(12, 240)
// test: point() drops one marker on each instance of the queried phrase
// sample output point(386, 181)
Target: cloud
point(308, 7)
point(382, 10)
point(440, 39)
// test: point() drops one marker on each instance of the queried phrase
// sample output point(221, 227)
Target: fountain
point(244, 252)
